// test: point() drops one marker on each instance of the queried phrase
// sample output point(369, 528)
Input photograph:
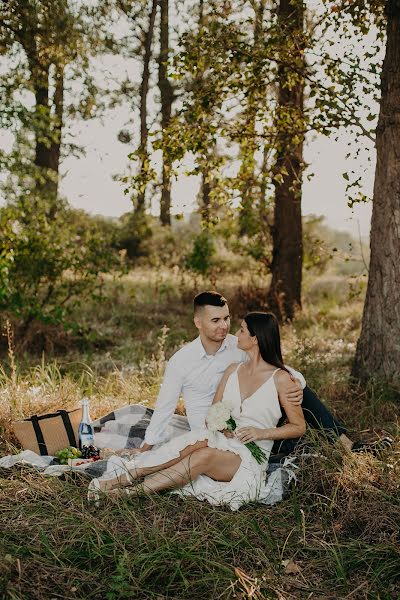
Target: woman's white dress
point(262, 410)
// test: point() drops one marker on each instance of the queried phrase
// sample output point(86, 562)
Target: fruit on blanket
point(78, 462)
point(90, 452)
point(67, 453)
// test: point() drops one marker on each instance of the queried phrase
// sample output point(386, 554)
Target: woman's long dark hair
point(264, 326)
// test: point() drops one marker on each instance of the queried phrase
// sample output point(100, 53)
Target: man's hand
point(294, 391)
point(249, 434)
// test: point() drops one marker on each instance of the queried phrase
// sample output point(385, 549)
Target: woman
point(217, 466)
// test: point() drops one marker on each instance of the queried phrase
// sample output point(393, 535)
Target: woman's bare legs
point(220, 465)
point(125, 479)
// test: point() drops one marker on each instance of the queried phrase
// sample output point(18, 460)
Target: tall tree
point(41, 41)
point(167, 97)
point(249, 181)
point(287, 252)
point(42, 30)
point(206, 161)
point(144, 92)
point(206, 176)
point(378, 348)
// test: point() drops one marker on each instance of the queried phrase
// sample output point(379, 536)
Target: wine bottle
point(85, 431)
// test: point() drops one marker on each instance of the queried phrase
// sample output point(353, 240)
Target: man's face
point(213, 322)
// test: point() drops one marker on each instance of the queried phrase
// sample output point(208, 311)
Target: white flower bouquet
point(219, 417)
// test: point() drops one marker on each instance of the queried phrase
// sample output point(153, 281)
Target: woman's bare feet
point(133, 490)
point(97, 490)
point(123, 480)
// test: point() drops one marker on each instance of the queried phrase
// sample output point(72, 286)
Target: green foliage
point(328, 250)
point(200, 258)
point(230, 64)
point(134, 234)
point(316, 251)
point(119, 585)
point(145, 241)
point(168, 246)
point(48, 265)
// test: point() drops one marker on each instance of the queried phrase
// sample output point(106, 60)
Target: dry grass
point(336, 537)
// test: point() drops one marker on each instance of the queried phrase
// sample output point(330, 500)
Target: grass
point(339, 528)
point(336, 536)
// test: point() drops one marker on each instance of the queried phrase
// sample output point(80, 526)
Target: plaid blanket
point(125, 428)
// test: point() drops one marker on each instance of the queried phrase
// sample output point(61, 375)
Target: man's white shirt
point(195, 375)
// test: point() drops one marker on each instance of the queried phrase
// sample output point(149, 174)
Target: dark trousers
point(316, 416)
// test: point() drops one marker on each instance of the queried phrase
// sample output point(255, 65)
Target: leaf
point(291, 567)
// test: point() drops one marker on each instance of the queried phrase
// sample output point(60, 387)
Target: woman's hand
point(227, 433)
point(249, 434)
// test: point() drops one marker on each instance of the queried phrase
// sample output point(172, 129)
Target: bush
point(133, 234)
point(49, 264)
point(200, 258)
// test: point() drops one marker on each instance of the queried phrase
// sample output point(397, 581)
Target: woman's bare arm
point(296, 425)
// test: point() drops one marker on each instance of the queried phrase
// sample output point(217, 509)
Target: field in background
point(335, 537)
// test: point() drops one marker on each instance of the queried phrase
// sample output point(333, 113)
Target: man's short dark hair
point(208, 299)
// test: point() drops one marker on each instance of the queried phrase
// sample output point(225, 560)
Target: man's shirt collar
point(200, 348)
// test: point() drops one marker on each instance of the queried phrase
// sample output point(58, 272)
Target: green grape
point(66, 453)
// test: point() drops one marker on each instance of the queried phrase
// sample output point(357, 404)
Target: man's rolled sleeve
point(167, 400)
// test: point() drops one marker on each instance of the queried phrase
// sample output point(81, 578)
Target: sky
point(88, 181)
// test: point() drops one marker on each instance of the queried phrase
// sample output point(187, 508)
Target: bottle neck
point(85, 411)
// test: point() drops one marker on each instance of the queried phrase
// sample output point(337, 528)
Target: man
point(196, 369)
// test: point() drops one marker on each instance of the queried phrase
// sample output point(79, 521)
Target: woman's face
point(246, 341)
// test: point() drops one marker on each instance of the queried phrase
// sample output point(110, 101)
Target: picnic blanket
point(125, 428)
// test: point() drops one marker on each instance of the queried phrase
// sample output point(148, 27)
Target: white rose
point(218, 415)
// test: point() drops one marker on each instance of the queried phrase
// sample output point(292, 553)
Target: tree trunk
point(144, 90)
point(378, 348)
point(48, 130)
point(55, 148)
point(166, 109)
point(40, 80)
point(205, 196)
point(250, 185)
point(206, 172)
point(48, 133)
point(287, 254)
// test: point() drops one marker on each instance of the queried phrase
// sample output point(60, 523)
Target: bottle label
point(86, 435)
